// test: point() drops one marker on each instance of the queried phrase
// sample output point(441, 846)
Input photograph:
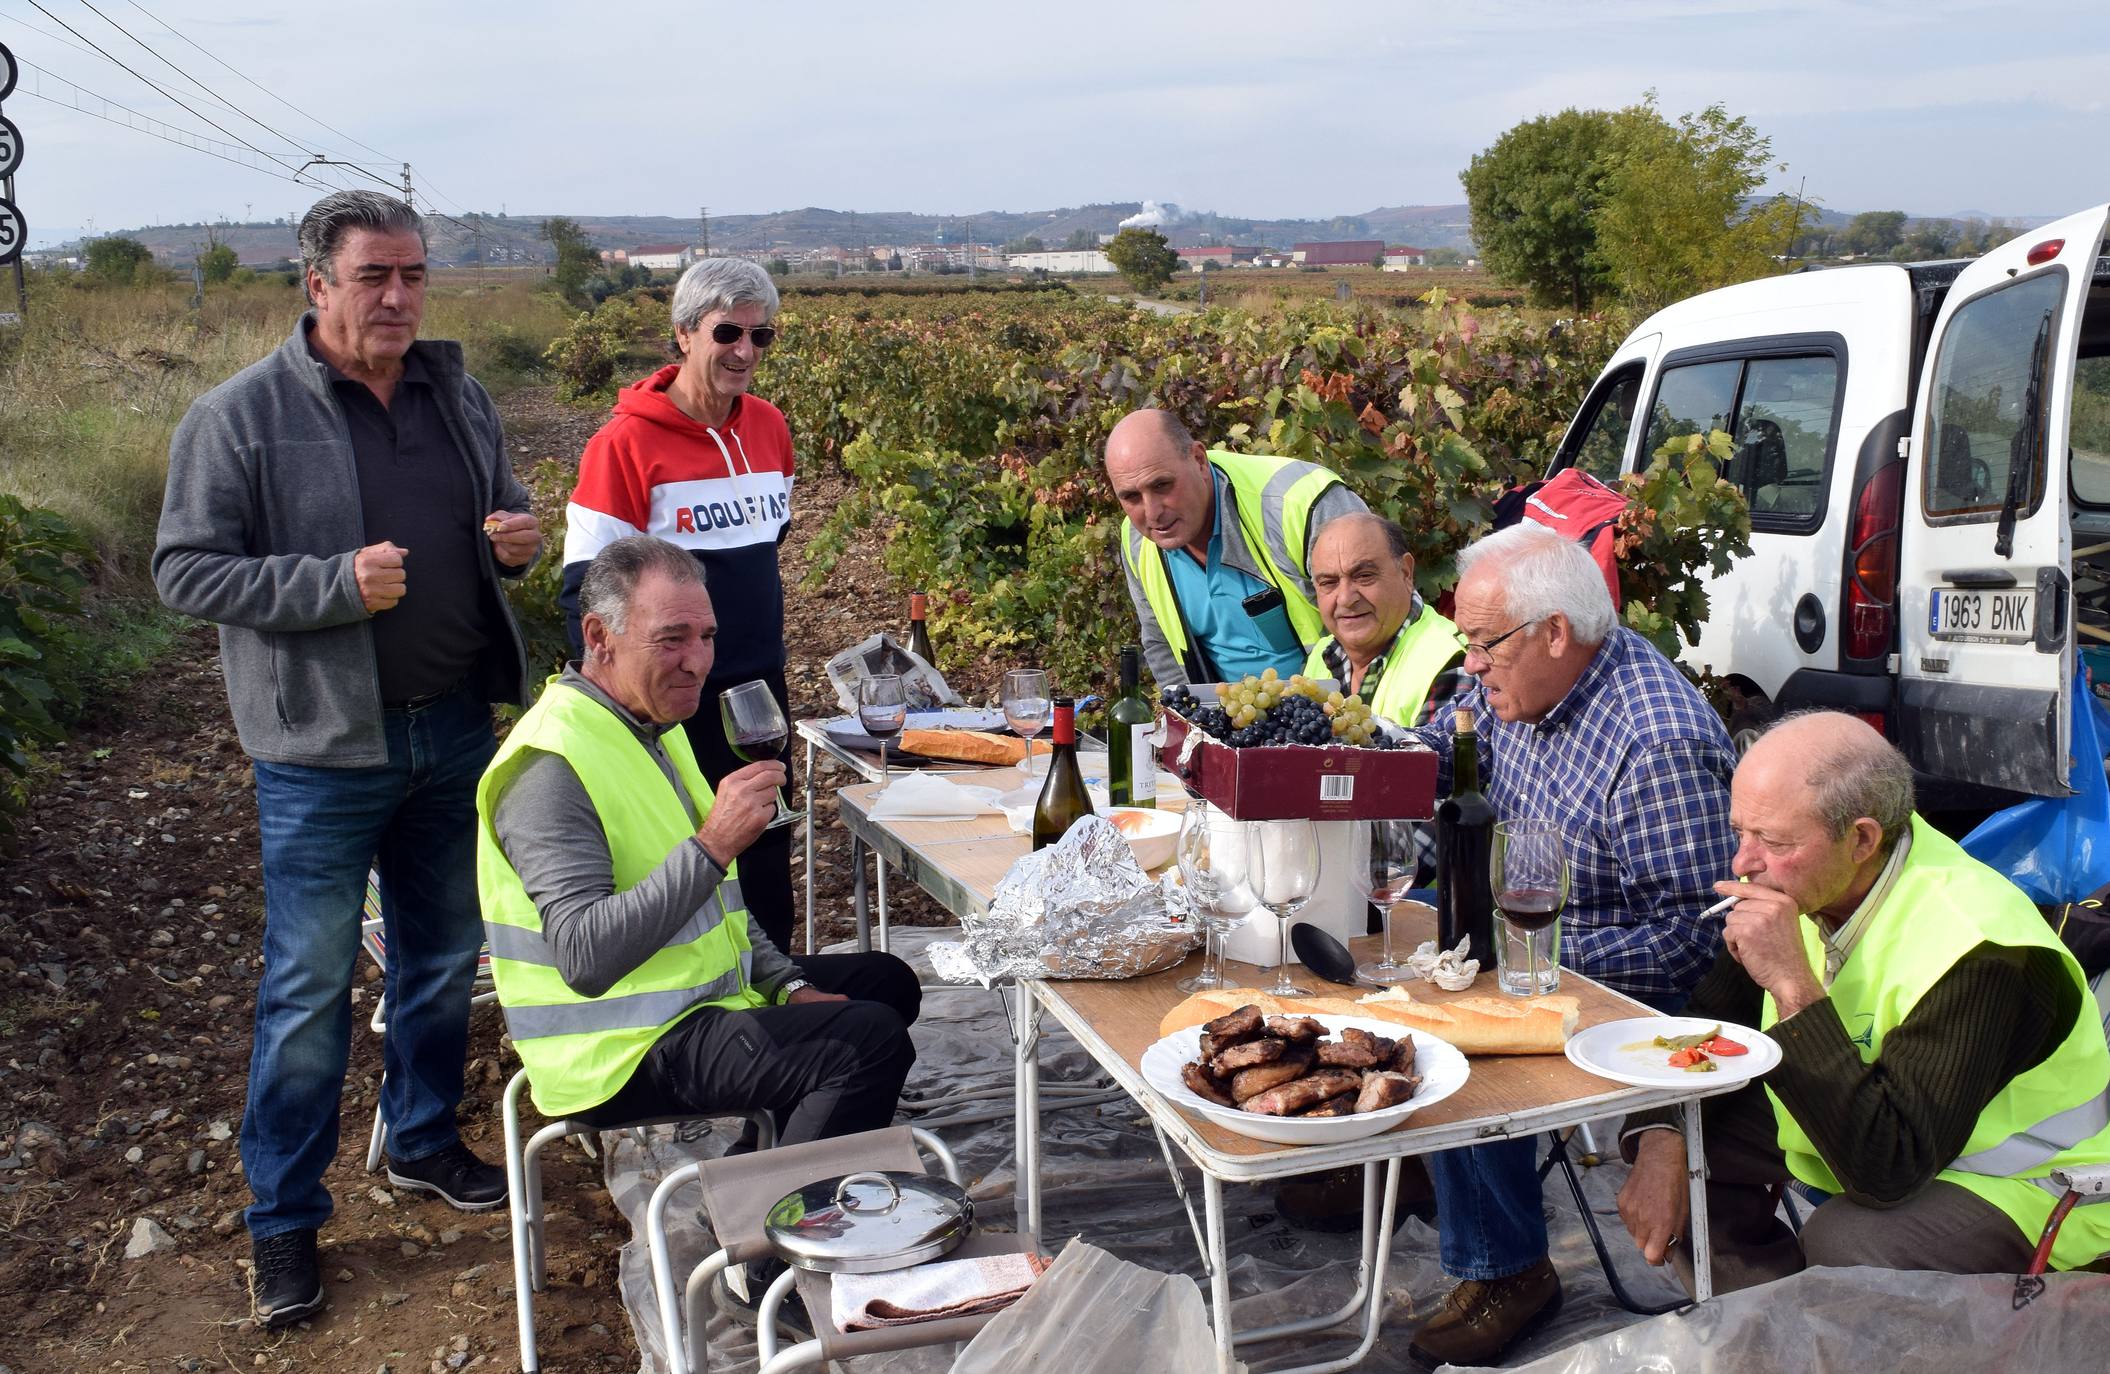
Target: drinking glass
point(754, 727)
point(1027, 708)
point(1384, 870)
point(1282, 868)
point(1529, 869)
point(1212, 865)
point(882, 709)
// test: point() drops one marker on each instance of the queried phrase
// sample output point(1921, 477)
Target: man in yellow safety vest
point(1941, 1054)
point(1383, 641)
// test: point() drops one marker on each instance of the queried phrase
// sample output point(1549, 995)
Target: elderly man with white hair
point(690, 457)
point(1583, 723)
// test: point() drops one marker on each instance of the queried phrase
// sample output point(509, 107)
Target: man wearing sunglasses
point(1582, 722)
point(690, 457)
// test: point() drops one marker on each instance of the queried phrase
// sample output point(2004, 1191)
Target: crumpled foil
point(1081, 908)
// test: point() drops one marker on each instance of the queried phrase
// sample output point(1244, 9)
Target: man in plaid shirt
point(1582, 722)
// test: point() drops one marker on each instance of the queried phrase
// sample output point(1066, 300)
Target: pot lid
point(869, 1222)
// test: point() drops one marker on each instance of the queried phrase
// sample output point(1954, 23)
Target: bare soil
point(131, 919)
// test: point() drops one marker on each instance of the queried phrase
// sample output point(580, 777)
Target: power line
point(168, 133)
point(213, 94)
point(166, 26)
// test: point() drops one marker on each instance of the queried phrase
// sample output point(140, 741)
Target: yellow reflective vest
point(579, 1050)
point(1422, 649)
point(1274, 497)
point(1941, 906)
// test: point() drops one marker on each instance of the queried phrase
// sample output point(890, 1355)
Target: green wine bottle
point(1132, 775)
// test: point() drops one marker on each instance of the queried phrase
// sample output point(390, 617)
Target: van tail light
point(2045, 252)
point(1875, 719)
point(1872, 587)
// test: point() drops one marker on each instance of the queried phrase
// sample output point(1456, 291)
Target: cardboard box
point(1300, 781)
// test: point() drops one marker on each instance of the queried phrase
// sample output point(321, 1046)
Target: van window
point(1602, 449)
point(1698, 399)
point(1980, 403)
point(2091, 431)
point(1783, 430)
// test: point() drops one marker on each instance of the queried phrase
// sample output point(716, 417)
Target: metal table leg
point(1026, 1116)
point(1696, 1180)
point(1219, 1263)
point(809, 847)
point(879, 863)
point(860, 895)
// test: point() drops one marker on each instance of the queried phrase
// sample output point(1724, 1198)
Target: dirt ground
point(131, 920)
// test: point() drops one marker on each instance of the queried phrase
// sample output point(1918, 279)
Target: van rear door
point(1986, 643)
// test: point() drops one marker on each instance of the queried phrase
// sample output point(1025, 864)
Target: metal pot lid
point(866, 1223)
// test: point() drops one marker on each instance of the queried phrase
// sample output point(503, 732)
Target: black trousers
point(820, 1069)
point(765, 866)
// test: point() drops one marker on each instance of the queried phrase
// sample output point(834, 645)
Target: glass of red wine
point(1530, 877)
point(754, 727)
point(1384, 870)
point(882, 709)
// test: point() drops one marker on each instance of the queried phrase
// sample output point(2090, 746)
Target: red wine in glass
point(1529, 908)
point(757, 747)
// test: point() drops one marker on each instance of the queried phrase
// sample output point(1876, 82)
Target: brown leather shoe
point(1332, 1199)
point(1482, 1318)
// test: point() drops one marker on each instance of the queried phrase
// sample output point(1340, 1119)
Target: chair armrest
point(2091, 1182)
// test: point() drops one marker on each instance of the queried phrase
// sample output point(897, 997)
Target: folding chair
point(738, 1192)
point(373, 940)
point(2077, 1187)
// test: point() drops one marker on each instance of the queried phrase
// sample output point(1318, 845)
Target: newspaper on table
point(880, 655)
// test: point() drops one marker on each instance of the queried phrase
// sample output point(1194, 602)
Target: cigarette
point(1719, 907)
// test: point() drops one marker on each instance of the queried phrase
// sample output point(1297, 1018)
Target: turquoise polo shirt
point(1211, 598)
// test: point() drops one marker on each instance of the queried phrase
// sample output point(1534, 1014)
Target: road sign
point(10, 147)
point(14, 232)
point(8, 72)
point(9, 319)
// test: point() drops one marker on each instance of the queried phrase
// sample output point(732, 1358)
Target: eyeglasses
point(1487, 650)
point(726, 332)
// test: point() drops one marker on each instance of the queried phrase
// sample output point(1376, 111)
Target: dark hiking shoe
point(1481, 1318)
point(285, 1283)
point(461, 1180)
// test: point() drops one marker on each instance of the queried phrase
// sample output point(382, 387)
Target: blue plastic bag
point(2057, 849)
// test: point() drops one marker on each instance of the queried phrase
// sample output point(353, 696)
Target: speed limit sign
point(14, 232)
point(8, 73)
point(10, 147)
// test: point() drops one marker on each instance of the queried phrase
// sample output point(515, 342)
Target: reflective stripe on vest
point(1419, 653)
point(580, 1050)
point(1942, 905)
point(1273, 497)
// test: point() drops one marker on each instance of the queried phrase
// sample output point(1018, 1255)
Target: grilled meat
point(1384, 1089)
point(1344, 1054)
point(1251, 1082)
point(1300, 1029)
point(1300, 1093)
point(1234, 1026)
point(1249, 1055)
point(1204, 1086)
point(1403, 1057)
point(1344, 1105)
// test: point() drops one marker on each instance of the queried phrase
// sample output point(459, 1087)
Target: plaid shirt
point(1634, 766)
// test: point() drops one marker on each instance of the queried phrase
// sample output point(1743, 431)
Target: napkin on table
point(932, 1292)
point(921, 796)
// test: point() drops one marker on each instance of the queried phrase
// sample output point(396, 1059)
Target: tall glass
point(1529, 872)
point(1027, 708)
point(1212, 866)
point(882, 709)
point(754, 727)
point(1384, 870)
point(1282, 868)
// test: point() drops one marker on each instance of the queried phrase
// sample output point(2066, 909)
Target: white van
point(1926, 453)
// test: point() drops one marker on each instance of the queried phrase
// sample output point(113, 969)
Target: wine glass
point(1384, 870)
point(1212, 865)
point(1282, 868)
point(754, 727)
point(1529, 869)
point(882, 709)
point(1027, 708)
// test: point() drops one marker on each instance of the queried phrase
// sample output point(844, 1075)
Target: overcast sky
point(1258, 109)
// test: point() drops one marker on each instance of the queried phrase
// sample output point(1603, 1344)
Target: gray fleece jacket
point(259, 526)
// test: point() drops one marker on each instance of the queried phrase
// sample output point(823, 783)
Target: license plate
point(2003, 615)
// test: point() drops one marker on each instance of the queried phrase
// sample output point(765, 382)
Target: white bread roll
point(1475, 1025)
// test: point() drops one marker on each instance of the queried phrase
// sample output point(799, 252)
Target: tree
point(1144, 257)
point(1029, 244)
point(1445, 257)
point(1533, 197)
point(576, 259)
point(1678, 215)
point(1931, 238)
point(779, 267)
point(119, 261)
point(1874, 232)
point(1080, 240)
point(217, 263)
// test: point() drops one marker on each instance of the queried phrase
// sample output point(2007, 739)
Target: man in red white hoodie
point(693, 459)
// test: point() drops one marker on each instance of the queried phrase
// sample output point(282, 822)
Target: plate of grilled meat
point(1302, 1080)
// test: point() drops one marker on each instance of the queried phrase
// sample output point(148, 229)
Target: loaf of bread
point(968, 746)
point(1475, 1025)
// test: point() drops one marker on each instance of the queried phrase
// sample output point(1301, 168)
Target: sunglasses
point(726, 332)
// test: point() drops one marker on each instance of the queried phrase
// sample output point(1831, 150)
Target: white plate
point(1622, 1051)
point(1442, 1068)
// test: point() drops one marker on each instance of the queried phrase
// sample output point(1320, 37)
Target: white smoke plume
point(1156, 215)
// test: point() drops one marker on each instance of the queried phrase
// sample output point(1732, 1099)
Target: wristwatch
point(784, 993)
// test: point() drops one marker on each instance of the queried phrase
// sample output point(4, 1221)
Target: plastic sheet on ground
point(1104, 1180)
point(1854, 1320)
point(1093, 1313)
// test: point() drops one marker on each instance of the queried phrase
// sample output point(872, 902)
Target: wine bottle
point(1063, 800)
point(918, 633)
point(1132, 772)
point(1465, 835)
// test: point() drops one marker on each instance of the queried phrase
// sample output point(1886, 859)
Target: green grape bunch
point(1270, 709)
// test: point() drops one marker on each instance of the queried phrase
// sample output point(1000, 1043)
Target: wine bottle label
point(1143, 772)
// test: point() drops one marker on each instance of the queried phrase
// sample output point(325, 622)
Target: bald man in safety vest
point(1941, 1054)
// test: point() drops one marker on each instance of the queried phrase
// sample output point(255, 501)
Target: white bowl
point(1442, 1068)
point(1152, 834)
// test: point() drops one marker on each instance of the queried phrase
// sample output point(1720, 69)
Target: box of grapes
point(1268, 749)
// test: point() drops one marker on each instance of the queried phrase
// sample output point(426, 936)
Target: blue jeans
point(413, 819)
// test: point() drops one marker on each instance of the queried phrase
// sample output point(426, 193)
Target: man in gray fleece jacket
point(345, 511)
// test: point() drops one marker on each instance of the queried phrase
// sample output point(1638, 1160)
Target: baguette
point(968, 746)
point(1475, 1025)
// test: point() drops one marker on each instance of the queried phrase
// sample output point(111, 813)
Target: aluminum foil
point(1081, 908)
